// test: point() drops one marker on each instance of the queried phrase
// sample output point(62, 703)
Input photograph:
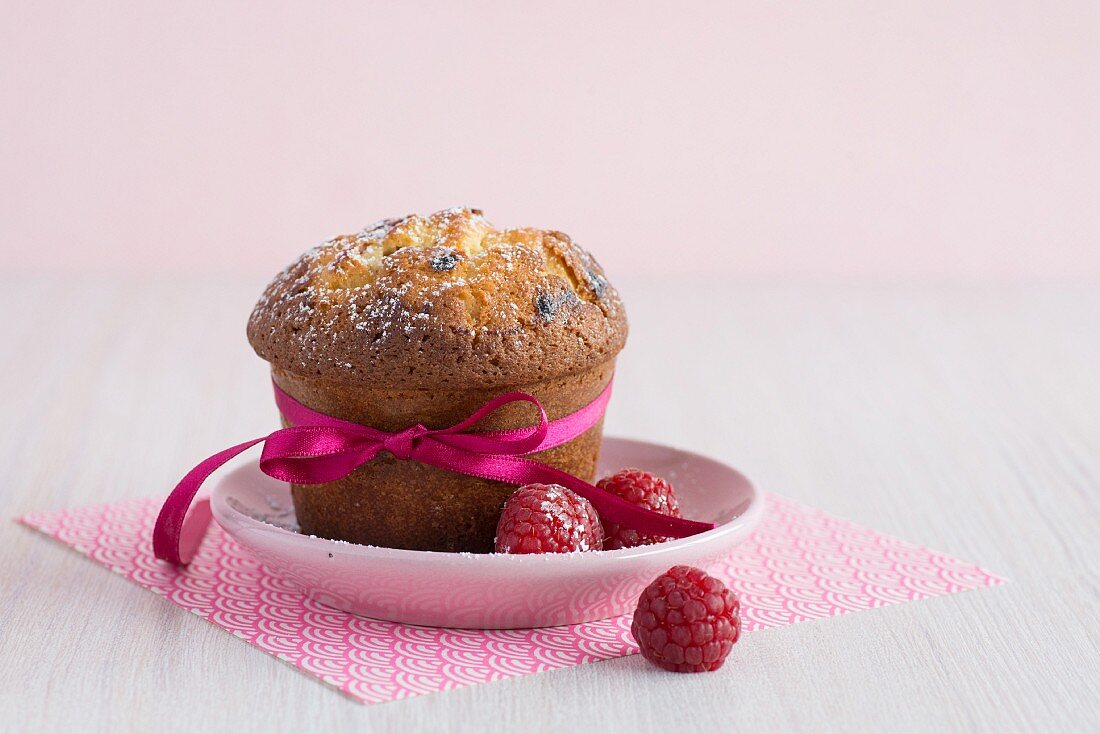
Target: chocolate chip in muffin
point(546, 305)
point(445, 260)
point(597, 282)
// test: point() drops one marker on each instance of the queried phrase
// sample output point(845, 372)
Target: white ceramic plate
point(490, 591)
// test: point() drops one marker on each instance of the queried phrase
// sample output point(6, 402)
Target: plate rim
point(224, 513)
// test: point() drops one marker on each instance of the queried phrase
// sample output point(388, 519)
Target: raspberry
point(640, 488)
point(548, 518)
point(687, 621)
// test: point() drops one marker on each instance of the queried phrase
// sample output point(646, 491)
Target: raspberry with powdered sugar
point(548, 518)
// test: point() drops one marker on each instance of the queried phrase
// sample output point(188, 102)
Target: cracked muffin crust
point(445, 298)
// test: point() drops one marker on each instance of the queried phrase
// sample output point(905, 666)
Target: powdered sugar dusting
point(398, 282)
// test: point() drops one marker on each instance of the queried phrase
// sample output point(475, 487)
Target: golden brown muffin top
point(442, 299)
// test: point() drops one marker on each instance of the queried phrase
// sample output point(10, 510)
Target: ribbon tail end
point(194, 530)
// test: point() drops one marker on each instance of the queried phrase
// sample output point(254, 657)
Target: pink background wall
point(863, 140)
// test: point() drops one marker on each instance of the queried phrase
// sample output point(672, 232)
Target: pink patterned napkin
point(799, 564)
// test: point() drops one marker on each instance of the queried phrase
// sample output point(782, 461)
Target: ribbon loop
point(321, 449)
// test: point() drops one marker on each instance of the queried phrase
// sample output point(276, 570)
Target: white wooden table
point(965, 419)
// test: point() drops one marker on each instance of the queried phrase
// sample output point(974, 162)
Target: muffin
point(422, 320)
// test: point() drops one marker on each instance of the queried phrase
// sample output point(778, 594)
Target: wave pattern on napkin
point(799, 564)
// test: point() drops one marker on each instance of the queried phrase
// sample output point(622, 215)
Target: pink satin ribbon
point(318, 448)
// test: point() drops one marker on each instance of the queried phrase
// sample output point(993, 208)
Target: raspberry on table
point(548, 518)
point(687, 621)
point(645, 490)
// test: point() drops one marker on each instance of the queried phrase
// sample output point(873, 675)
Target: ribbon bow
point(318, 448)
